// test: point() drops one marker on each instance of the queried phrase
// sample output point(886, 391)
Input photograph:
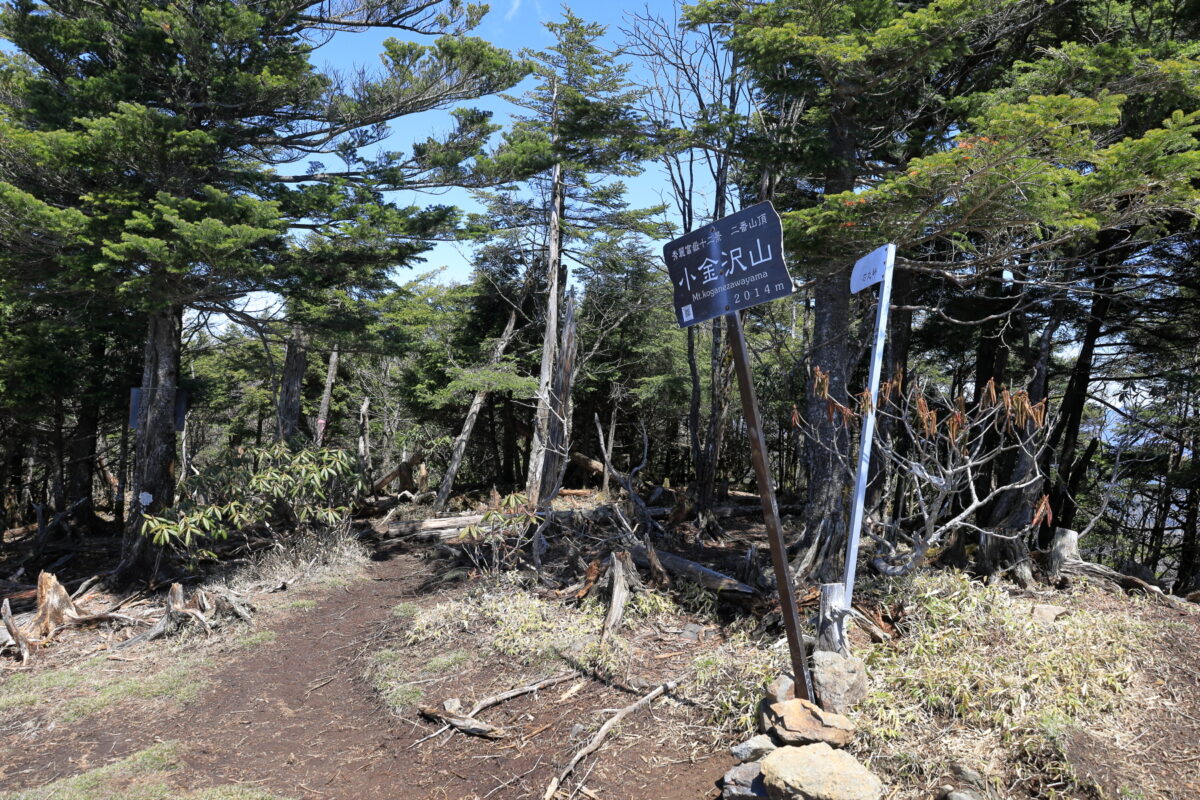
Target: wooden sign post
point(731, 264)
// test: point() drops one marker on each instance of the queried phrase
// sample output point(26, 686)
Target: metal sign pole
point(868, 425)
point(766, 492)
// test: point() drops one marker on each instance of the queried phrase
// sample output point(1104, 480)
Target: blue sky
point(511, 24)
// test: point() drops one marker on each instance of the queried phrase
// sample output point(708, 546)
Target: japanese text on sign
point(734, 263)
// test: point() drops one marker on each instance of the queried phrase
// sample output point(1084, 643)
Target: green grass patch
point(303, 605)
point(405, 610)
point(257, 639)
point(393, 681)
point(77, 692)
point(149, 774)
point(447, 662)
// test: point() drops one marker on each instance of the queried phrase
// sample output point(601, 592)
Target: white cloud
point(512, 10)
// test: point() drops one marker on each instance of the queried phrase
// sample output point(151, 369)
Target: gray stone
point(967, 774)
point(744, 782)
point(801, 722)
point(818, 772)
point(781, 690)
point(1048, 613)
point(754, 748)
point(840, 681)
point(692, 631)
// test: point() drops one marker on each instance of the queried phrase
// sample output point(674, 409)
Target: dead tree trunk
point(327, 396)
point(291, 385)
point(831, 625)
point(541, 424)
point(1063, 548)
point(364, 439)
point(558, 432)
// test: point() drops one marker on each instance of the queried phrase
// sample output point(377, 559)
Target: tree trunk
point(153, 480)
point(291, 386)
point(364, 439)
point(541, 423)
point(612, 439)
point(327, 397)
point(122, 474)
point(827, 444)
point(558, 432)
point(83, 458)
point(1189, 546)
point(512, 451)
point(1065, 436)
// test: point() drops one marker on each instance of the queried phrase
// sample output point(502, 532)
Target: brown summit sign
point(731, 264)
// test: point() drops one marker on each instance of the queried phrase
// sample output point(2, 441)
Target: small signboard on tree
point(731, 264)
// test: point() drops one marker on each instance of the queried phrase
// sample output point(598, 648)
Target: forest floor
point(318, 699)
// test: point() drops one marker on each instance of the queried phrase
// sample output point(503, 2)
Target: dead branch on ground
point(594, 743)
point(451, 716)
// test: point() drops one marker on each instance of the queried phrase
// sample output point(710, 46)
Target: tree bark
point(82, 450)
point(827, 442)
point(327, 397)
point(364, 439)
point(153, 480)
point(291, 386)
point(1065, 436)
point(1189, 546)
point(534, 476)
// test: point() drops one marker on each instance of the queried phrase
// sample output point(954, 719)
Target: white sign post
point(875, 267)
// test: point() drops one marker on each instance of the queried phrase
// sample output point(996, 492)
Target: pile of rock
point(794, 756)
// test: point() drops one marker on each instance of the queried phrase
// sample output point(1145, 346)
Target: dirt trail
point(295, 717)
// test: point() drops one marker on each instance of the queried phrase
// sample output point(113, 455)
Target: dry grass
point(725, 678)
point(312, 555)
point(150, 774)
point(975, 680)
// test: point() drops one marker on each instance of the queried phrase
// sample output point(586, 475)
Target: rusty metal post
point(766, 492)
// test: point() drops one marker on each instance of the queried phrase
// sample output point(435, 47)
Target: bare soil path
point(294, 716)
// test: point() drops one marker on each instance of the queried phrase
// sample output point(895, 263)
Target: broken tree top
point(731, 264)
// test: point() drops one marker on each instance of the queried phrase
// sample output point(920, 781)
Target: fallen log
point(474, 727)
point(445, 528)
point(697, 573)
point(589, 465)
point(1063, 558)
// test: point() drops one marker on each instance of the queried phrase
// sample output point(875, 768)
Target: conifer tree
point(162, 124)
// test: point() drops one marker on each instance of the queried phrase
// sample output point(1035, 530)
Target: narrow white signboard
point(875, 267)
